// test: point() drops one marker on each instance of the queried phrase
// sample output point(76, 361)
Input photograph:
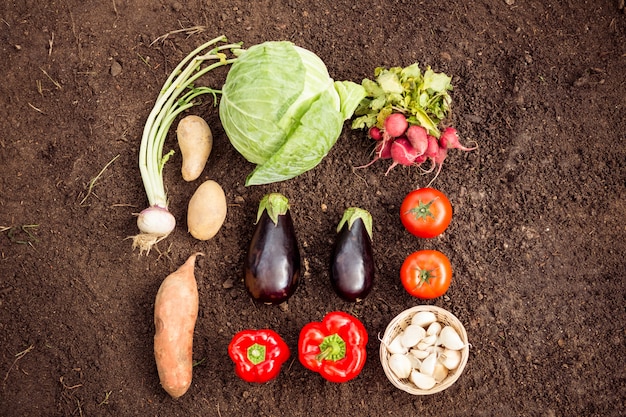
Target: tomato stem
point(422, 211)
point(425, 275)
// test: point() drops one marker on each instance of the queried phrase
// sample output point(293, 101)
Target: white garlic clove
point(450, 358)
point(422, 381)
point(412, 335)
point(400, 365)
point(441, 372)
point(424, 318)
point(419, 354)
point(428, 364)
point(427, 343)
point(415, 363)
point(395, 346)
point(436, 349)
point(433, 329)
point(449, 338)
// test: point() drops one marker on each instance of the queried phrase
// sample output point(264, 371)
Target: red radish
point(440, 157)
point(396, 124)
point(433, 147)
point(418, 137)
point(450, 139)
point(402, 153)
point(375, 133)
point(420, 159)
point(431, 152)
point(438, 162)
point(408, 144)
point(383, 149)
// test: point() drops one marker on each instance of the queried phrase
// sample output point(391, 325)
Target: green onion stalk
point(177, 95)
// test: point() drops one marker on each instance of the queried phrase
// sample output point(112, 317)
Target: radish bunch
point(403, 110)
point(411, 144)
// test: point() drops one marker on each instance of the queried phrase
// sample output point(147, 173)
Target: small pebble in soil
point(116, 68)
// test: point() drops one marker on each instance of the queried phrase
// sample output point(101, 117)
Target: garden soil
point(537, 241)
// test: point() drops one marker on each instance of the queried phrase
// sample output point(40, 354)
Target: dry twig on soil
point(18, 356)
point(193, 30)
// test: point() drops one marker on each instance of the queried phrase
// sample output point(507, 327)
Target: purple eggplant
point(352, 263)
point(272, 265)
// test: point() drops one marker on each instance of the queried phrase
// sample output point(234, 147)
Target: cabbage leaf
point(281, 110)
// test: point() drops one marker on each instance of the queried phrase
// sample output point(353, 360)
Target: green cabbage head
point(281, 110)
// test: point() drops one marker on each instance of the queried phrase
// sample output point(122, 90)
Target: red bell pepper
point(334, 347)
point(258, 354)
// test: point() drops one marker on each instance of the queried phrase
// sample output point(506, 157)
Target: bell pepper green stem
point(256, 353)
point(332, 348)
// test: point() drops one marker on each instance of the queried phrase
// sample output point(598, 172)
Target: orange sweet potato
point(175, 314)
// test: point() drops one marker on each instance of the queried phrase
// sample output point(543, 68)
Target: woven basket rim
point(398, 324)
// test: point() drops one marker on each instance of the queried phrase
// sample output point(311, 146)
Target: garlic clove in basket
point(412, 335)
point(415, 363)
point(433, 329)
point(428, 364)
point(450, 358)
point(400, 365)
point(427, 342)
point(395, 346)
point(449, 338)
point(423, 318)
point(441, 372)
point(422, 381)
point(419, 354)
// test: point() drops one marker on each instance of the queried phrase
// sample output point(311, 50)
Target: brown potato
point(195, 141)
point(206, 211)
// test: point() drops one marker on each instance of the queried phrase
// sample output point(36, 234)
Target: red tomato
point(426, 212)
point(426, 274)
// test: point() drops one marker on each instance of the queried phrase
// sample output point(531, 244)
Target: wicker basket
point(398, 324)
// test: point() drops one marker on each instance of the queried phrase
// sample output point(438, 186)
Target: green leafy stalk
point(169, 105)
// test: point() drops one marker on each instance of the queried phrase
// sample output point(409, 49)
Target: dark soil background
point(537, 242)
